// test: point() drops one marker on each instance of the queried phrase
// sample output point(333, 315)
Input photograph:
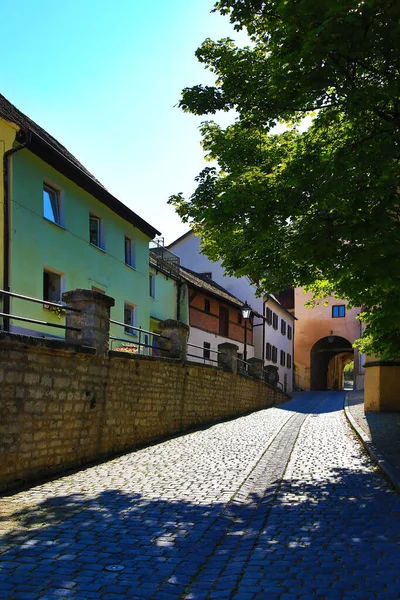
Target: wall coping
point(18, 339)
point(382, 363)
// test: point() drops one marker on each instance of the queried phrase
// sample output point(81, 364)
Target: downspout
point(6, 236)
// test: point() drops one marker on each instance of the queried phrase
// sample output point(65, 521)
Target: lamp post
point(246, 312)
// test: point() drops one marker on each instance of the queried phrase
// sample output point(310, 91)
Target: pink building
point(323, 342)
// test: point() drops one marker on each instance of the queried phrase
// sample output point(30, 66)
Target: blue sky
point(104, 79)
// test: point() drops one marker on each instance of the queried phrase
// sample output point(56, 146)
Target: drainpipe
point(6, 232)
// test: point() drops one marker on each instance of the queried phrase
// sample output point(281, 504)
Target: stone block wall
point(63, 406)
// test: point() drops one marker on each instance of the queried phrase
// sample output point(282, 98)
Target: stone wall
point(63, 406)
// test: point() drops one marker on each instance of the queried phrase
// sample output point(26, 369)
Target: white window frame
point(57, 210)
point(61, 278)
point(132, 321)
point(100, 231)
point(130, 255)
point(152, 285)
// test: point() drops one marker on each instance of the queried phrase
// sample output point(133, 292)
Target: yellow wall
point(382, 388)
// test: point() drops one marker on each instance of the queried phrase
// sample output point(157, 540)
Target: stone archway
point(335, 370)
point(328, 358)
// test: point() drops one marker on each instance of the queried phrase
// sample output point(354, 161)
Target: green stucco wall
point(37, 243)
point(163, 305)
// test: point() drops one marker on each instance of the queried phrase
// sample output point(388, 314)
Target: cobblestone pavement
point(282, 504)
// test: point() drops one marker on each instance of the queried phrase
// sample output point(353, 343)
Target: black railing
point(45, 303)
point(136, 344)
point(205, 350)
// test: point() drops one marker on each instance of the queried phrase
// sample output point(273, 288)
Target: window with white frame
point(51, 204)
point(51, 286)
point(152, 283)
point(338, 310)
point(130, 318)
point(96, 231)
point(130, 252)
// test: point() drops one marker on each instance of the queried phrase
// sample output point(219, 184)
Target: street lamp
point(246, 312)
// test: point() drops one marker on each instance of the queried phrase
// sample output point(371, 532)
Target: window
point(152, 283)
point(339, 310)
point(274, 354)
point(268, 351)
point(95, 231)
point(207, 306)
point(274, 320)
point(283, 357)
point(285, 382)
point(129, 252)
point(283, 327)
point(51, 286)
point(289, 332)
point(207, 274)
point(51, 204)
point(223, 321)
point(130, 318)
point(268, 316)
point(240, 318)
point(206, 350)
point(289, 361)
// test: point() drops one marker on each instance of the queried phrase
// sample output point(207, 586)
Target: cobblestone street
point(281, 504)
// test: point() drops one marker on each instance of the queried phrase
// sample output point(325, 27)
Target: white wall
point(189, 251)
point(199, 336)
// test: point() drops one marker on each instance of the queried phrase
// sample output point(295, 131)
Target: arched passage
point(328, 357)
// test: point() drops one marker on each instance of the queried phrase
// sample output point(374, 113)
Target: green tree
point(315, 207)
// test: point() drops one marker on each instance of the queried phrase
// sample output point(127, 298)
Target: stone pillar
point(382, 385)
point(271, 375)
point(173, 343)
point(228, 357)
point(93, 320)
point(256, 367)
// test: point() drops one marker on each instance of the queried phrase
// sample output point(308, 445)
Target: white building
point(273, 324)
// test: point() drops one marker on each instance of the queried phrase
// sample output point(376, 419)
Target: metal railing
point(138, 344)
point(209, 350)
point(45, 303)
point(243, 366)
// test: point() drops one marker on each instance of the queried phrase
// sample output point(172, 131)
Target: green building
point(62, 230)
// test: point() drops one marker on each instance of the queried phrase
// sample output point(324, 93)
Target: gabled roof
point(209, 286)
point(55, 154)
point(179, 239)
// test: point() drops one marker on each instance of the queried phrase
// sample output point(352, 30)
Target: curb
point(390, 472)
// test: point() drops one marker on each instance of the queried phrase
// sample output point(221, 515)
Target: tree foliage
point(315, 207)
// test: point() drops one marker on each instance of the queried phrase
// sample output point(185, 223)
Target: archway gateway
point(328, 358)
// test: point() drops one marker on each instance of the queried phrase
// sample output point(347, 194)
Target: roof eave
point(55, 159)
